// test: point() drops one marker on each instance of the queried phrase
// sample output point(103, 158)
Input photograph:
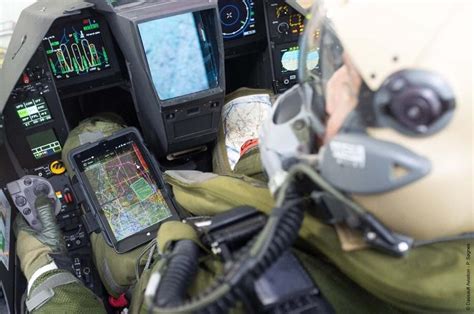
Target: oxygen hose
point(182, 266)
point(252, 263)
point(258, 255)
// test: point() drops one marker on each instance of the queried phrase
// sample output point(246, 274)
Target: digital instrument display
point(237, 18)
point(290, 20)
point(180, 57)
point(290, 57)
point(44, 144)
point(125, 189)
point(33, 112)
point(76, 49)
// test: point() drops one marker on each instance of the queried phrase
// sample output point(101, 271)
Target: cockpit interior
point(163, 67)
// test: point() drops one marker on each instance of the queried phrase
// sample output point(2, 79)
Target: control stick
point(24, 193)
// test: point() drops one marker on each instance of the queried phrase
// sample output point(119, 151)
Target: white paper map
point(242, 119)
point(5, 217)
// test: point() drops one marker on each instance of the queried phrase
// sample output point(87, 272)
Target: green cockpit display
point(44, 144)
point(33, 112)
point(76, 48)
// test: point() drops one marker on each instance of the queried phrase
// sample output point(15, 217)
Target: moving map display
point(76, 49)
point(33, 112)
point(126, 192)
point(179, 56)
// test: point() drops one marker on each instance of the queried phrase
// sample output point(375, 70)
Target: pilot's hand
point(35, 249)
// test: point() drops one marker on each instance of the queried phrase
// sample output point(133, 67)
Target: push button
point(25, 79)
point(57, 167)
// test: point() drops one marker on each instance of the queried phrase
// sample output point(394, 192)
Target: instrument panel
point(78, 54)
point(35, 124)
point(284, 27)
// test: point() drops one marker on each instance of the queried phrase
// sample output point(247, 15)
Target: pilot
point(381, 129)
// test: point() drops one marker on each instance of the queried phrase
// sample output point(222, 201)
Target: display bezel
point(76, 158)
point(114, 68)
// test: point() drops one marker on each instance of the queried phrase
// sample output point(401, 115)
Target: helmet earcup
point(414, 102)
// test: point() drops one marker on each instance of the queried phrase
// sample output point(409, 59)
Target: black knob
point(283, 28)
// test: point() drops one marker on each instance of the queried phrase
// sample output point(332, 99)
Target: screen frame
point(219, 62)
point(106, 39)
point(83, 152)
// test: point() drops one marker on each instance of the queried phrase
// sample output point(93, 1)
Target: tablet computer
point(123, 188)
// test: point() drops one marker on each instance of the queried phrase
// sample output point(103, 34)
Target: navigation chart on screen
point(125, 190)
point(76, 49)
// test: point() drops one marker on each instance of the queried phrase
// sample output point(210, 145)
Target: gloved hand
point(35, 249)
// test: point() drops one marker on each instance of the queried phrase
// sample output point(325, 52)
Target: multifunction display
point(44, 144)
point(179, 54)
point(33, 112)
point(237, 18)
point(290, 59)
point(76, 48)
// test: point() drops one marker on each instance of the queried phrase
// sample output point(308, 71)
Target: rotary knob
point(283, 28)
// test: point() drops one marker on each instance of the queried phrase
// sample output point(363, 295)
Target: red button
point(25, 78)
point(68, 197)
point(120, 302)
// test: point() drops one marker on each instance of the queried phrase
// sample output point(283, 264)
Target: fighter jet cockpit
point(216, 156)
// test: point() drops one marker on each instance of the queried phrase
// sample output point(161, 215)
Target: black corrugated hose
point(251, 262)
point(182, 266)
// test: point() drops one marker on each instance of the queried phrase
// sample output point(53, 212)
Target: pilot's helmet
point(383, 113)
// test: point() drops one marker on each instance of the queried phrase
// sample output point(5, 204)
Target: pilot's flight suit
point(363, 281)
